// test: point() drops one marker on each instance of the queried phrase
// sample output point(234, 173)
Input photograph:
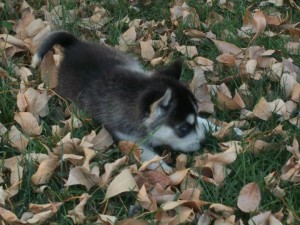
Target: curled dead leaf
point(45, 170)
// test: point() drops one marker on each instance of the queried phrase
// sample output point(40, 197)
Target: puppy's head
point(170, 111)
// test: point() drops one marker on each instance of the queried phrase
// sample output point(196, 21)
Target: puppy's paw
point(161, 166)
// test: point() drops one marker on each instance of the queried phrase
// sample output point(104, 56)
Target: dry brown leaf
point(266, 218)
point(28, 123)
point(201, 92)
point(127, 38)
point(110, 168)
point(69, 124)
point(41, 218)
point(17, 139)
point(34, 27)
point(204, 219)
point(225, 211)
point(228, 48)
point(227, 59)
point(21, 102)
point(147, 50)
point(262, 110)
point(106, 220)
point(181, 162)
point(184, 215)
point(204, 63)
point(82, 176)
point(193, 33)
point(225, 103)
point(130, 148)
point(177, 177)
point(249, 198)
point(45, 170)
point(215, 173)
point(251, 66)
point(157, 61)
point(295, 121)
point(124, 182)
point(16, 174)
point(260, 146)
point(37, 208)
point(77, 214)
point(278, 107)
point(190, 194)
point(37, 103)
point(145, 200)
point(189, 51)
point(99, 18)
point(295, 95)
point(153, 177)
point(102, 140)
point(49, 70)
point(3, 194)
point(10, 217)
point(260, 23)
point(162, 194)
point(156, 161)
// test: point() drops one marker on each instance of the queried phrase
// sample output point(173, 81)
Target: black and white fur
point(150, 108)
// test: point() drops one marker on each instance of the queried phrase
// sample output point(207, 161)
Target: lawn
point(242, 62)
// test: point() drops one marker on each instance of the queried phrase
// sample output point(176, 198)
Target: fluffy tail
point(62, 38)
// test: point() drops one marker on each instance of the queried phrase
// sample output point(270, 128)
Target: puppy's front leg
point(207, 125)
point(148, 154)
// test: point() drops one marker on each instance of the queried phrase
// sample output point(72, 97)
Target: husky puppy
point(149, 108)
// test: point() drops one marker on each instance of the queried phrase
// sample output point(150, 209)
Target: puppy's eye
point(184, 129)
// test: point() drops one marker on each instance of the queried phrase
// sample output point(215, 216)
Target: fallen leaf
point(106, 219)
point(10, 217)
point(37, 103)
point(178, 176)
point(147, 50)
point(249, 198)
point(45, 170)
point(124, 182)
point(262, 110)
point(127, 38)
point(110, 168)
point(102, 140)
point(227, 48)
point(28, 123)
point(17, 139)
point(77, 214)
point(145, 200)
point(189, 51)
point(81, 176)
point(260, 23)
point(227, 59)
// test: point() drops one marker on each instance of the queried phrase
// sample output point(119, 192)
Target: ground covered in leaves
point(242, 63)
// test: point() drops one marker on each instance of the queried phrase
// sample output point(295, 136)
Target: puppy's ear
point(159, 107)
point(173, 71)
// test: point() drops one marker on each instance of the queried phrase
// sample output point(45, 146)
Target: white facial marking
point(165, 135)
point(190, 119)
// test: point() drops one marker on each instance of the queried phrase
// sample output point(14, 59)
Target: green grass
point(247, 168)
